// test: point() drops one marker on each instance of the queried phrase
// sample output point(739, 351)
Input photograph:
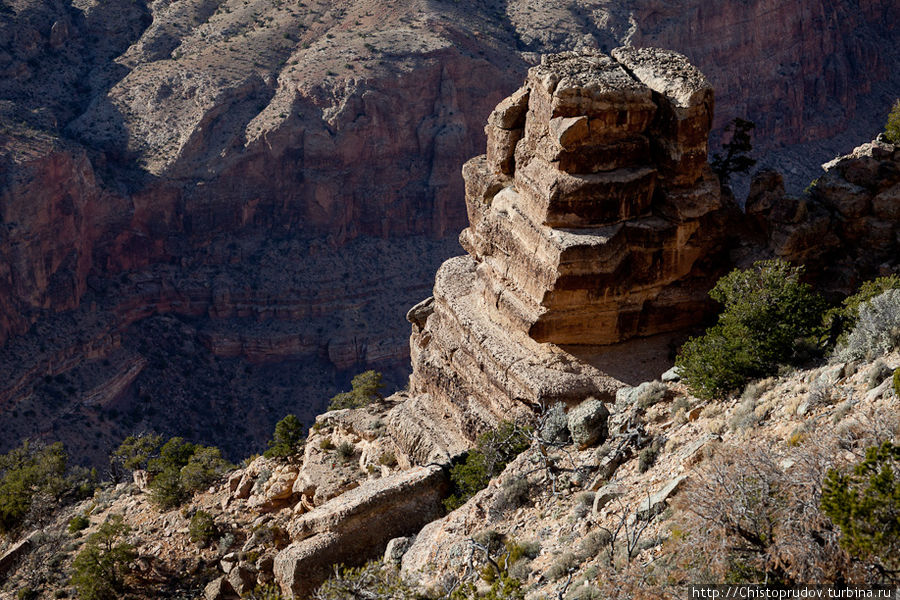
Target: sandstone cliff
point(594, 218)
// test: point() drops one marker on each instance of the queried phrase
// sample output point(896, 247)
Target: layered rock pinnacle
point(589, 224)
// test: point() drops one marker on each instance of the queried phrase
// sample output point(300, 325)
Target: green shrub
point(767, 310)
point(493, 451)
point(181, 469)
point(135, 451)
point(77, 523)
point(326, 444)
point(864, 504)
point(287, 440)
point(99, 570)
point(366, 389)
point(28, 472)
point(892, 127)
point(896, 382)
point(203, 528)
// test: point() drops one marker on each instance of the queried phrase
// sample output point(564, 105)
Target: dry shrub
point(752, 515)
point(634, 581)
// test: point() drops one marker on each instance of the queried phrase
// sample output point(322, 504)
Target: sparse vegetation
point(748, 516)
point(346, 450)
point(288, 438)
point(269, 591)
point(373, 581)
point(366, 389)
point(388, 459)
point(651, 395)
point(493, 451)
point(647, 457)
point(513, 494)
point(767, 311)
point(562, 566)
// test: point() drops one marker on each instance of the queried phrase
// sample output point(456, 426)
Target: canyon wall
point(148, 151)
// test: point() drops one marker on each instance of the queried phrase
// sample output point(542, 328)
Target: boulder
point(588, 423)
point(605, 495)
point(219, 589)
point(357, 525)
point(672, 375)
point(242, 579)
point(15, 552)
point(396, 548)
point(655, 504)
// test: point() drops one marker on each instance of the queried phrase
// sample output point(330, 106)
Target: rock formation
point(845, 227)
point(357, 523)
point(592, 221)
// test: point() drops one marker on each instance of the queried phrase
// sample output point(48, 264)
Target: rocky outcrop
point(357, 525)
point(845, 227)
point(602, 215)
point(591, 222)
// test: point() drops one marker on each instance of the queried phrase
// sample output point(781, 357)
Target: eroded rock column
point(589, 224)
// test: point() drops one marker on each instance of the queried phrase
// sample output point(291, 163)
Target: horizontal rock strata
point(592, 220)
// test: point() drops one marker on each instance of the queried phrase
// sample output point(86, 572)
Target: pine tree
point(737, 151)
